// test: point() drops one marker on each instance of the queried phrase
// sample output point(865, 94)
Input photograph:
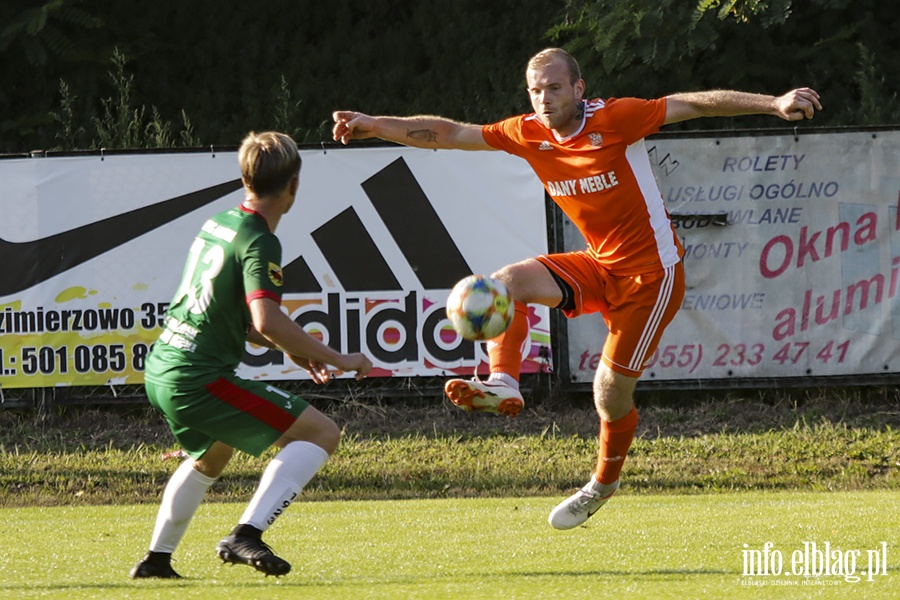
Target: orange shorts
point(636, 308)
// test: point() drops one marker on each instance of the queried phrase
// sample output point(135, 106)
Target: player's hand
point(349, 125)
point(319, 372)
point(356, 362)
point(798, 104)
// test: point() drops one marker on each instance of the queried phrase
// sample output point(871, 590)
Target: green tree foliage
point(767, 11)
point(40, 31)
point(843, 48)
point(39, 43)
point(206, 72)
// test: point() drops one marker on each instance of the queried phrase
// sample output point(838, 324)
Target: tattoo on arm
point(422, 135)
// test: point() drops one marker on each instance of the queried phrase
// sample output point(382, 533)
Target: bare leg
point(613, 393)
point(618, 422)
point(614, 400)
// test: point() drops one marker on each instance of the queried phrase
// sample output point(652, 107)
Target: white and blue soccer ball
point(480, 308)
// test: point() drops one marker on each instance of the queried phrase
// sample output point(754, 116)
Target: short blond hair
point(550, 55)
point(269, 161)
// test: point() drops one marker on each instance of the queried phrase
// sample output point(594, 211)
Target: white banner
point(792, 258)
point(92, 248)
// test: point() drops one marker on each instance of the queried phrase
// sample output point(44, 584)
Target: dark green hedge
point(85, 74)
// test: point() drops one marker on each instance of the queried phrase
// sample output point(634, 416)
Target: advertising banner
point(92, 249)
point(792, 253)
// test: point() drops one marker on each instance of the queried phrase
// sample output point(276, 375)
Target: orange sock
point(615, 440)
point(505, 351)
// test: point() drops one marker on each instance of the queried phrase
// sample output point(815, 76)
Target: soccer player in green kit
point(230, 293)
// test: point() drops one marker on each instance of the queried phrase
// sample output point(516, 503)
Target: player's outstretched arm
point(801, 103)
point(423, 131)
point(279, 329)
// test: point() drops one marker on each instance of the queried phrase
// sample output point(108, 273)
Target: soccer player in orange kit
point(591, 158)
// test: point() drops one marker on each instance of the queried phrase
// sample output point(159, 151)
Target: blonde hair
point(550, 55)
point(269, 161)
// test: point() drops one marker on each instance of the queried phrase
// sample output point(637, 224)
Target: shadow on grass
point(299, 582)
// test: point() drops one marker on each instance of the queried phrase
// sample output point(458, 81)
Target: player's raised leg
point(500, 392)
point(527, 282)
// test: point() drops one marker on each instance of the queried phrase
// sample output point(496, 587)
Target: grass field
point(638, 546)
point(425, 501)
point(393, 450)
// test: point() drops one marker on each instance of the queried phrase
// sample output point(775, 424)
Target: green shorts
point(247, 415)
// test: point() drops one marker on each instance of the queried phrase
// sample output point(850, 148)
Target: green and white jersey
point(234, 259)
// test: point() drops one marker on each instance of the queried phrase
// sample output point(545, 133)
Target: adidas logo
point(362, 270)
point(545, 145)
point(354, 256)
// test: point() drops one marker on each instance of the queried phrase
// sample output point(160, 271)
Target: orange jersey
point(600, 176)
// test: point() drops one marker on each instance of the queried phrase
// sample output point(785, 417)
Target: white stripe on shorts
point(656, 315)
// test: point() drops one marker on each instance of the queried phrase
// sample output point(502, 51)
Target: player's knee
point(526, 281)
point(613, 393)
point(315, 428)
point(329, 437)
point(507, 277)
point(214, 460)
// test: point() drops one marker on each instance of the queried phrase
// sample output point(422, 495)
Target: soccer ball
point(480, 308)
